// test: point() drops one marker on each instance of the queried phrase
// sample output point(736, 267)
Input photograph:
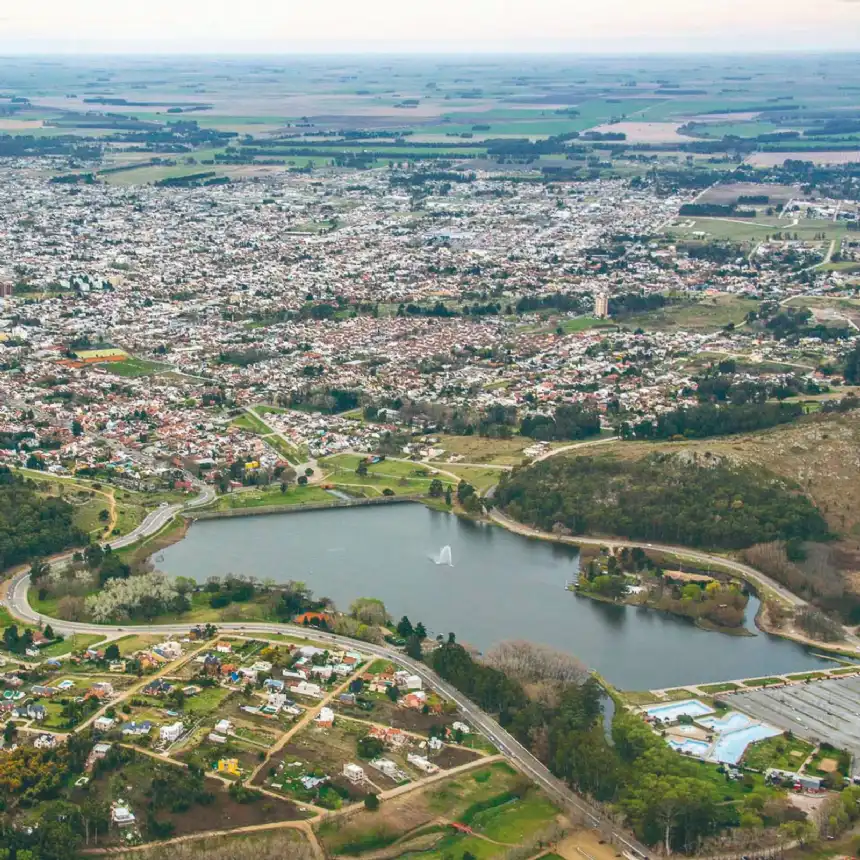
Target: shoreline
point(831, 649)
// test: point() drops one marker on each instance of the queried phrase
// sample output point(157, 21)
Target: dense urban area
point(604, 308)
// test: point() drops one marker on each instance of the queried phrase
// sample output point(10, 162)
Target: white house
point(103, 724)
point(306, 688)
point(223, 727)
point(172, 733)
point(121, 815)
point(354, 773)
point(421, 763)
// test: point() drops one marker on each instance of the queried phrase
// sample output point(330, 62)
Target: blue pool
point(730, 747)
point(731, 722)
point(688, 708)
point(691, 747)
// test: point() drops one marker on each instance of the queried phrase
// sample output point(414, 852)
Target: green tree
point(112, 652)
point(404, 628)
point(371, 802)
point(436, 488)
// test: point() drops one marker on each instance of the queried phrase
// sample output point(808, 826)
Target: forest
point(667, 799)
point(668, 498)
point(32, 526)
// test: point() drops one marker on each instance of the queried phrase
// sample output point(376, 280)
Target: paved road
point(744, 570)
point(505, 742)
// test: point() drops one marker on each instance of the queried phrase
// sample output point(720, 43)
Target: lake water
point(501, 586)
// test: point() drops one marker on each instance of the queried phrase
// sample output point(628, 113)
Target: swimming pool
point(688, 708)
point(691, 747)
point(731, 746)
point(731, 722)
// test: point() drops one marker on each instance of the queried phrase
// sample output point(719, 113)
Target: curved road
point(506, 743)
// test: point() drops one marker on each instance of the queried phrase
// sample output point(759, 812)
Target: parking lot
point(816, 711)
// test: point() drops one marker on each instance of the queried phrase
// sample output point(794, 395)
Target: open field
point(265, 496)
point(709, 314)
point(754, 229)
point(133, 367)
point(477, 449)
point(772, 159)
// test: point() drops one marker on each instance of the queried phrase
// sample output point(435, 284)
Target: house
point(389, 736)
point(216, 738)
point(134, 729)
point(354, 773)
point(276, 701)
point(230, 766)
point(121, 815)
point(223, 647)
point(306, 688)
point(389, 768)
point(223, 727)
point(416, 701)
point(325, 718)
point(103, 724)
point(460, 727)
point(346, 698)
point(99, 751)
point(45, 742)
point(101, 690)
point(118, 666)
point(273, 684)
point(421, 763)
point(435, 744)
point(31, 712)
point(159, 687)
point(172, 733)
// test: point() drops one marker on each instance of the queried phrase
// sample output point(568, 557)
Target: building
point(601, 305)
point(325, 718)
point(103, 724)
point(354, 773)
point(421, 763)
point(121, 815)
point(172, 733)
point(230, 766)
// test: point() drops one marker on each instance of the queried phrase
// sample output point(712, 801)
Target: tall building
point(601, 305)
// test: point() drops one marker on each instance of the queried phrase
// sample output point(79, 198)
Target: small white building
point(172, 733)
point(421, 763)
point(457, 726)
point(121, 815)
point(104, 724)
point(223, 727)
point(325, 717)
point(354, 773)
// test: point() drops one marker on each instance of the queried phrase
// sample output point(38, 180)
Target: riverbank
point(265, 510)
point(759, 582)
point(701, 623)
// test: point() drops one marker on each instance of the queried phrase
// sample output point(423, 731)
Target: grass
point(75, 642)
point(251, 423)
point(515, 821)
point(133, 643)
point(707, 314)
point(762, 682)
point(134, 367)
point(779, 752)
point(266, 497)
point(807, 676)
point(480, 479)
point(478, 449)
point(206, 701)
point(728, 687)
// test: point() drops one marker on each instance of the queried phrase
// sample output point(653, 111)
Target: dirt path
point(306, 718)
point(303, 826)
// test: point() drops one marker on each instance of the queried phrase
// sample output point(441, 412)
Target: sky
point(427, 26)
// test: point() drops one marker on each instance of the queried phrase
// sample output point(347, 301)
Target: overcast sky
point(400, 26)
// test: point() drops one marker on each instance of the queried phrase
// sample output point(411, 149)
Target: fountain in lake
point(444, 556)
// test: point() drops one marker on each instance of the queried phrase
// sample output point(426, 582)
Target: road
point(506, 743)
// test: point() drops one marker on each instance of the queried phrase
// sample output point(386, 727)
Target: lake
point(500, 586)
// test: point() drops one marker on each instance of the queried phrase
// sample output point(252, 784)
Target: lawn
point(480, 479)
point(763, 682)
point(133, 367)
point(251, 423)
point(478, 449)
point(708, 314)
point(411, 813)
point(133, 643)
point(515, 821)
point(265, 497)
point(74, 642)
point(728, 687)
point(207, 701)
point(780, 752)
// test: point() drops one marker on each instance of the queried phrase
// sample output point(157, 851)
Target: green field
point(707, 314)
point(257, 498)
point(779, 752)
point(134, 367)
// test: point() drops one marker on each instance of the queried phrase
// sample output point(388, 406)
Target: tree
point(369, 747)
point(420, 631)
point(302, 481)
point(77, 427)
point(104, 515)
point(413, 648)
point(392, 692)
point(371, 802)
point(448, 495)
point(852, 365)
point(112, 652)
point(361, 469)
point(404, 628)
point(436, 488)
point(48, 632)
